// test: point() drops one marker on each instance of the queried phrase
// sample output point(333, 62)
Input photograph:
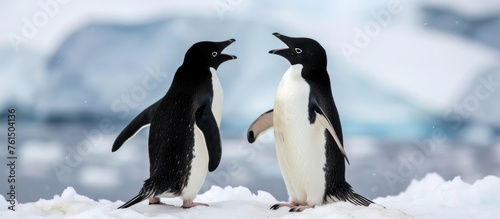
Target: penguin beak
point(285, 52)
point(226, 57)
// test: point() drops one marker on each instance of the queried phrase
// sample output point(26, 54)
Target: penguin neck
point(311, 64)
point(313, 72)
point(295, 71)
point(193, 73)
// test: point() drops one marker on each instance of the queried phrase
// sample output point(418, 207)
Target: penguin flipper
point(205, 120)
point(325, 122)
point(139, 122)
point(261, 124)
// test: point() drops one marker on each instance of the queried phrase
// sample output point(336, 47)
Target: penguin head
point(208, 54)
point(305, 51)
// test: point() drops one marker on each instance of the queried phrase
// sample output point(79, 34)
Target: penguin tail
point(357, 199)
point(148, 190)
point(347, 194)
point(133, 201)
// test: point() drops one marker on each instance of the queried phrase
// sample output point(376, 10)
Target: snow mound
point(431, 197)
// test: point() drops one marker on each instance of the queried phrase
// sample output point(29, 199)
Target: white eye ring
point(214, 54)
point(298, 50)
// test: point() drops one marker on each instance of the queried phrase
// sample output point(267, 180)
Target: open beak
point(283, 51)
point(225, 44)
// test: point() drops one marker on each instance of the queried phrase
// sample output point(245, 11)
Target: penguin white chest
point(199, 166)
point(300, 145)
point(217, 98)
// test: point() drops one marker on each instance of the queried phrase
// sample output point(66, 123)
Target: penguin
point(184, 140)
point(307, 130)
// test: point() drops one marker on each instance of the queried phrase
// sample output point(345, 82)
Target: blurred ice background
point(413, 95)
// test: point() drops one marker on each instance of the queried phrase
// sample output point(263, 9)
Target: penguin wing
point(139, 122)
point(315, 111)
point(261, 124)
point(205, 120)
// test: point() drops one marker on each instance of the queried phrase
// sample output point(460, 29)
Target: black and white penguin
point(307, 130)
point(184, 139)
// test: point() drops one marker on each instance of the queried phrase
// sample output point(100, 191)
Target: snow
point(430, 197)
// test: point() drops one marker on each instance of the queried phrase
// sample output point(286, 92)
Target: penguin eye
point(214, 54)
point(298, 50)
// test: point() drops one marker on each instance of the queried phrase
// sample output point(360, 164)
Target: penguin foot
point(294, 207)
point(156, 201)
point(160, 203)
point(300, 208)
point(188, 204)
point(279, 205)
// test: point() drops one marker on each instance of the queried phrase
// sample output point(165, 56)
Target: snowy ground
point(431, 197)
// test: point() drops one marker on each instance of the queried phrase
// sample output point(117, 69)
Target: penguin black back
point(189, 96)
point(185, 110)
